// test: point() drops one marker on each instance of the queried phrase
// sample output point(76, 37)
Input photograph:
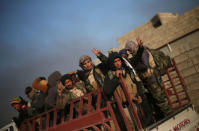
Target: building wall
point(182, 35)
point(156, 37)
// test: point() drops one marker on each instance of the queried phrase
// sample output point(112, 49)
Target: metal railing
point(94, 111)
point(173, 74)
point(97, 115)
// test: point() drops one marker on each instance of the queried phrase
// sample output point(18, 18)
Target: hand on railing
point(118, 73)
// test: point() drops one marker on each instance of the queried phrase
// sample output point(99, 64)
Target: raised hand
point(139, 41)
point(118, 73)
point(59, 88)
point(96, 51)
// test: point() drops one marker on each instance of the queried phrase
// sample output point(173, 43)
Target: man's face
point(87, 65)
point(117, 63)
point(68, 84)
point(30, 95)
point(17, 107)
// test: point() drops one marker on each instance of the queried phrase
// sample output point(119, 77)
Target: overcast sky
point(38, 37)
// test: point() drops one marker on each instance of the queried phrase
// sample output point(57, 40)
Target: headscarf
point(83, 58)
point(53, 78)
point(131, 45)
point(38, 84)
point(17, 100)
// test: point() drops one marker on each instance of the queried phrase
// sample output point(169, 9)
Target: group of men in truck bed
point(136, 64)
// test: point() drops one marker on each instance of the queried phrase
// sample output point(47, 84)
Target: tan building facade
point(178, 37)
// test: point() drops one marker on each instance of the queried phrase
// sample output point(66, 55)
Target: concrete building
point(178, 37)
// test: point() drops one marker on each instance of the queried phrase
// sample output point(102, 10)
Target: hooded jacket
point(50, 99)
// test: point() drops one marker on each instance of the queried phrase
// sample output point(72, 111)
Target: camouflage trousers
point(159, 96)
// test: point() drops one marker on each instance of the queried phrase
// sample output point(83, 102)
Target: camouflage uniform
point(146, 68)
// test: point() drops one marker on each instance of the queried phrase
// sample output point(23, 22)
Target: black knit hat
point(123, 51)
point(65, 77)
point(112, 57)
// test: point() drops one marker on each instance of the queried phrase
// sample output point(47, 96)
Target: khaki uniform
point(132, 90)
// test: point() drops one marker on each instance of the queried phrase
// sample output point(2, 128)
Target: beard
point(88, 69)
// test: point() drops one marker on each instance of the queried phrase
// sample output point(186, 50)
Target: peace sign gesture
point(139, 41)
point(96, 51)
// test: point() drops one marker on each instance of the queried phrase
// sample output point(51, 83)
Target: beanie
point(65, 77)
